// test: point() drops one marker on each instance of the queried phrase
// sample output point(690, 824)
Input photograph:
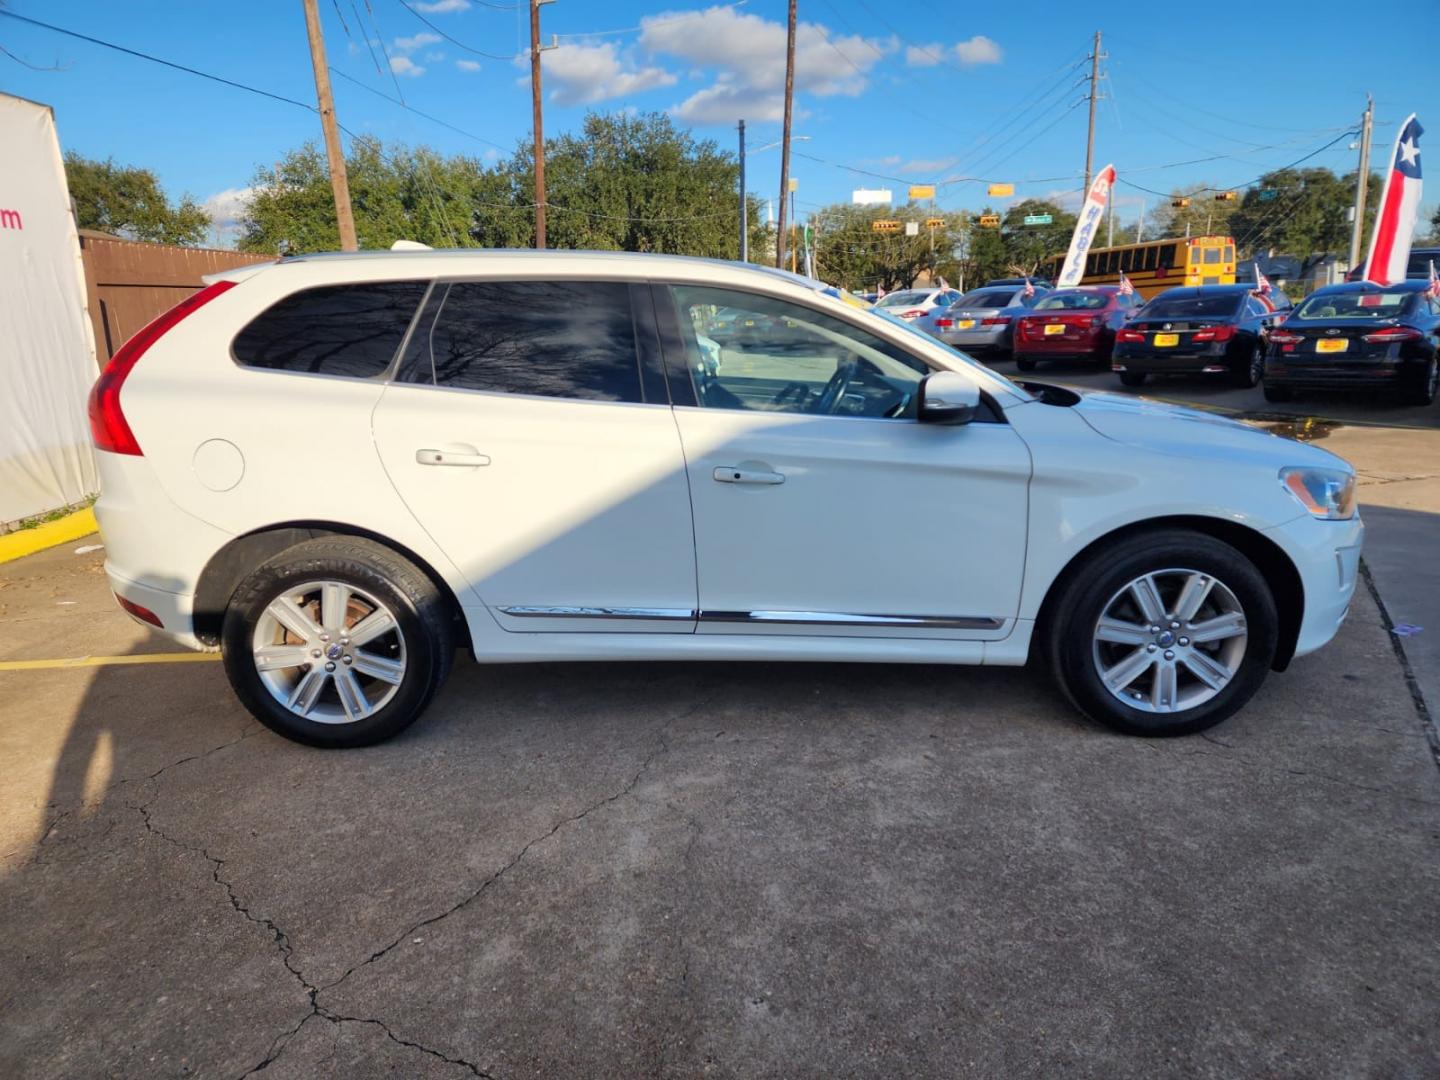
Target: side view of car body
point(1073, 324)
point(1359, 335)
point(917, 305)
point(1204, 330)
point(983, 320)
point(340, 469)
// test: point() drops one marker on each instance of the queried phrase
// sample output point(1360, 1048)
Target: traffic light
point(989, 221)
point(885, 226)
point(1180, 204)
point(1225, 196)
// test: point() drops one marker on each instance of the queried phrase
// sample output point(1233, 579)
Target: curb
point(24, 542)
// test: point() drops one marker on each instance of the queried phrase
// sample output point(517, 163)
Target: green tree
point(985, 255)
point(130, 202)
point(1027, 247)
point(850, 253)
point(1300, 212)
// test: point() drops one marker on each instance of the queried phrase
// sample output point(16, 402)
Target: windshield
point(1357, 305)
point(1072, 301)
point(908, 298)
point(1192, 307)
point(996, 298)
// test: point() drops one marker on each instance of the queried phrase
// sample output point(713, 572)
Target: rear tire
point(337, 642)
point(1422, 390)
point(1250, 370)
point(1276, 393)
point(1024, 363)
point(1162, 681)
point(1133, 378)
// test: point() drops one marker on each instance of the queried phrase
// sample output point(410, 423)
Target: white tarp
point(47, 348)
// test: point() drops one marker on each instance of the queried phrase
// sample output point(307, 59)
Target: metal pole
point(1362, 181)
point(1090, 134)
point(785, 139)
point(744, 203)
point(1140, 228)
point(339, 180)
point(792, 232)
point(539, 123)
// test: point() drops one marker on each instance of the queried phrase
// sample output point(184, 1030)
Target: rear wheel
point(1251, 369)
point(1166, 633)
point(337, 642)
point(1277, 393)
point(1024, 363)
point(1423, 389)
point(1132, 378)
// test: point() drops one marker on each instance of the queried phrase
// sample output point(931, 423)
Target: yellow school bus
point(1156, 265)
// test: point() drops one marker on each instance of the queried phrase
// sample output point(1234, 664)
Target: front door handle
point(451, 457)
point(733, 474)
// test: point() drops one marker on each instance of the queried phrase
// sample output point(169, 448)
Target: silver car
point(983, 320)
point(918, 307)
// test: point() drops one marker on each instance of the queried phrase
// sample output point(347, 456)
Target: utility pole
point(538, 122)
point(1362, 180)
point(339, 181)
point(744, 203)
point(785, 138)
point(1090, 134)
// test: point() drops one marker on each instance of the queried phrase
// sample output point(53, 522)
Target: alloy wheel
point(329, 652)
point(1170, 640)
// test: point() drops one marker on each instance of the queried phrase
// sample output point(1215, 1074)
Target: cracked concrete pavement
point(726, 870)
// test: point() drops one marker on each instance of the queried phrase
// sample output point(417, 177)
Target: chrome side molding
point(761, 618)
point(532, 612)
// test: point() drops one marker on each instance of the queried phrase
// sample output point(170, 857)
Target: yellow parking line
point(110, 661)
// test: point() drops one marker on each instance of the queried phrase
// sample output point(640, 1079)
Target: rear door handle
point(728, 474)
point(451, 457)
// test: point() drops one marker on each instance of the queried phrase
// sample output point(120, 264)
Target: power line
point(454, 40)
point(1248, 183)
point(411, 108)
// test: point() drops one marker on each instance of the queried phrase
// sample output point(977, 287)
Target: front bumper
point(1327, 556)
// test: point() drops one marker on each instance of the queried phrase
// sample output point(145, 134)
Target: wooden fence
point(128, 283)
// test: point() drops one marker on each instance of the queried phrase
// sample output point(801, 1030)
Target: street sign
point(794, 184)
point(989, 221)
point(912, 228)
point(935, 223)
point(922, 191)
point(885, 226)
point(1001, 191)
point(1038, 219)
point(1268, 194)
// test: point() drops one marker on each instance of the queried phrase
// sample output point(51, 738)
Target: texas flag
point(1399, 206)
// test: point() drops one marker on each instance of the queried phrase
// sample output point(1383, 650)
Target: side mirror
point(947, 397)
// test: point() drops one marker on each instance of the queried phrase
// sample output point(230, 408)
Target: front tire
point(1165, 633)
point(337, 642)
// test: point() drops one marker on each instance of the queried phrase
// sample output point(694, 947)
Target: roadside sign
point(1001, 191)
point(912, 228)
point(1268, 194)
point(989, 221)
point(885, 226)
point(922, 191)
point(794, 184)
point(935, 223)
point(1038, 219)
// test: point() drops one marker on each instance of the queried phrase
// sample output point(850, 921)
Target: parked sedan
point(982, 320)
point(1358, 334)
point(917, 304)
point(1204, 330)
point(1073, 324)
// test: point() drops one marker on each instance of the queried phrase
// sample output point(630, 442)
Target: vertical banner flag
point(1399, 206)
point(1090, 215)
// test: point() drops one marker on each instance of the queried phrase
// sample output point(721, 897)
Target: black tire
point(1250, 369)
point(1277, 393)
point(1086, 592)
point(1422, 388)
point(1133, 378)
point(1024, 363)
point(424, 627)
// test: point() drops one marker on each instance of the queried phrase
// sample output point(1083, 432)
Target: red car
point(1073, 324)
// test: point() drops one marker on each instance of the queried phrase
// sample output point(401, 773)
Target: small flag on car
point(1262, 283)
point(1434, 289)
point(1126, 289)
point(1029, 289)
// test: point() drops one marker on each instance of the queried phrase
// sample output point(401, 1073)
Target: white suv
point(339, 468)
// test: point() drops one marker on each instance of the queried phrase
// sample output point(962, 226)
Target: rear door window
point(564, 339)
point(346, 330)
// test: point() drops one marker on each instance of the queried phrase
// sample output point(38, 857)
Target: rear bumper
point(997, 337)
point(174, 610)
point(1336, 376)
point(1059, 349)
point(1150, 362)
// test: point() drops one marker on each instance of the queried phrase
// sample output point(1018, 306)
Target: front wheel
point(1166, 633)
point(337, 642)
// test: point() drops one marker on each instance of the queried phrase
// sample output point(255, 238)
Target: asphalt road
point(728, 870)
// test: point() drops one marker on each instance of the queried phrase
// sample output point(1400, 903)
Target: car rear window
point(1072, 301)
point(346, 330)
point(983, 298)
point(1192, 307)
point(568, 339)
point(902, 299)
point(1389, 305)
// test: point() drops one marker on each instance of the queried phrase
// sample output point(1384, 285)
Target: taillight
point(1215, 333)
point(1285, 337)
point(996, 320)
point(942, 324)
point(108, 426)
point(1393, 334)
point(1129, 335)
point(914, 313)
point(144, 614)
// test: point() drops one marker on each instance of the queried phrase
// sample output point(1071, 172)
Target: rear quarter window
point(347, 330)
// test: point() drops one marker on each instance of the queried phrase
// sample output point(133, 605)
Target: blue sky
point(913, 94)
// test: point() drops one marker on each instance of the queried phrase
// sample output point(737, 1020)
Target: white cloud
point(925, 55)
point(927, 165)
point(747, 54)
point(403, 65)
point(589, 73)
point(440, 7)
point(224, 208)
point(978, 50)
point(410, 44)
point(468, 65)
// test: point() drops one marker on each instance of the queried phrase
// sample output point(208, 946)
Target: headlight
point(1328, 494)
